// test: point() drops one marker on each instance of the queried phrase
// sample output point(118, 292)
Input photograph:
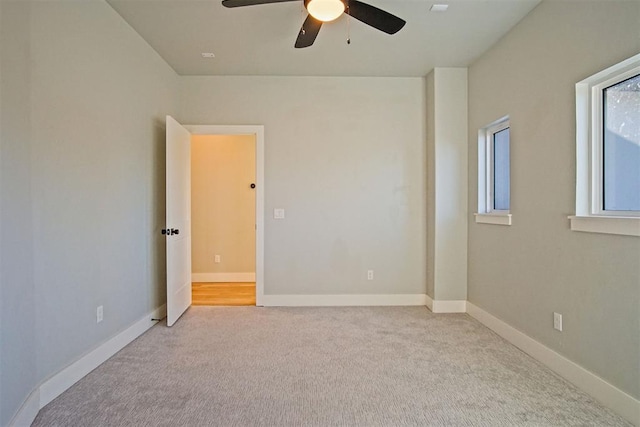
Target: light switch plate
point(557, 321)
point(278, 213)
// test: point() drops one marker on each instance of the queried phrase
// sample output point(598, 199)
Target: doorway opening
point(178, 209)
point(227, 198)
point(223, 226)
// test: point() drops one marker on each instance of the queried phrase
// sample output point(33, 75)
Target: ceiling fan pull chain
point(348, 25)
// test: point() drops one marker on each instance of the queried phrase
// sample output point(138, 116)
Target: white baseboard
point(619, 401)
point(343, 300)
point(440, 306)
point(223, 277)
point(28, 411)
point(60, 382)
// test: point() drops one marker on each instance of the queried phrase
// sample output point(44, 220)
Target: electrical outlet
point(217, 258)
point(278, 213)
point(369, 274)
point(557, 321)
point(99, 314)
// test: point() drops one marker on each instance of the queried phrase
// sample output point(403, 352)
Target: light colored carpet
point(348, 366)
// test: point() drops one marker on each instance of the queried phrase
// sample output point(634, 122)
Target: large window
point(608, 151)
point(494, 180)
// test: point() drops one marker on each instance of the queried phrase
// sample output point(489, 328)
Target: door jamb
point(258, 131)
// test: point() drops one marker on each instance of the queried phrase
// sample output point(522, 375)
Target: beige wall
point(345, 157)
point(83, 106)
point(18, 351)
point(100, 198)
point(523, 273)
point(430, 87)
point(447, 184)
point(223, 204)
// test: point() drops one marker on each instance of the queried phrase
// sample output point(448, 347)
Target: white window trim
point(486, 214)
point(493, 218)
point(590, 216)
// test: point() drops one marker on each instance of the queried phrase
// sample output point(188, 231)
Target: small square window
point(621, 146)
point(500, 175)
point(494, 177)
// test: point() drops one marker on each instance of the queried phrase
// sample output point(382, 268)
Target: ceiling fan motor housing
point(346, 3)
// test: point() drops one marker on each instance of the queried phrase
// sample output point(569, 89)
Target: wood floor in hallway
point(223, 293)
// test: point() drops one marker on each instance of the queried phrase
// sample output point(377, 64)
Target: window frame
point(597, 144)
point(590, 215)
point(486, 175)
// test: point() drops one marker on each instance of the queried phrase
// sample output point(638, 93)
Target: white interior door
point(178, 220)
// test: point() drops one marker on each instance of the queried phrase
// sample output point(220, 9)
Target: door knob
point(175, 231)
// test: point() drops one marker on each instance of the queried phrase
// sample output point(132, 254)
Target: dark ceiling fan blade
point(240, 3)
point(308, 32)
point(377, 18)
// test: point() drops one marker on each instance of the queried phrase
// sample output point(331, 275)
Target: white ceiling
point(258, 40)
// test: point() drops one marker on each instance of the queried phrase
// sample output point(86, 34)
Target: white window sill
point(626, 226)
point(492, 218)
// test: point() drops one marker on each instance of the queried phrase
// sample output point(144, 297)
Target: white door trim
point(258, 131)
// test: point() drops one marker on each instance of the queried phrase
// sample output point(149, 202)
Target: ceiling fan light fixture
point(325, 10)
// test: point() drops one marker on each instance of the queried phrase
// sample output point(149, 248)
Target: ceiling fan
point(321, 11)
